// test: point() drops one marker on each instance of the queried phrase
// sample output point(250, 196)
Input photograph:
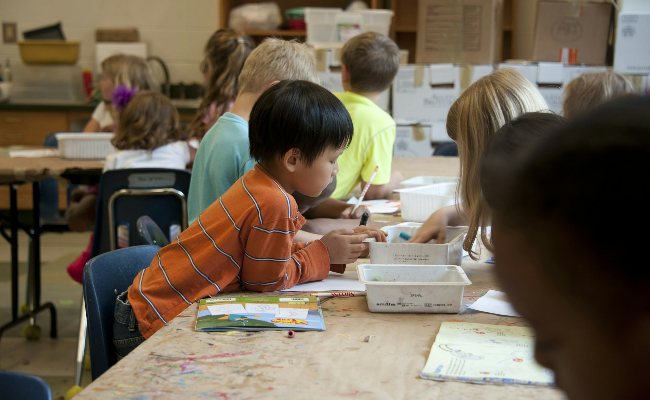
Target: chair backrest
point(105, 276)
point(126, 194)
point(17, 385)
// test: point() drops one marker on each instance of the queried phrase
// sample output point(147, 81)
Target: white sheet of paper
point(494, 302)
point(225, 309)
point(378, 206)
point(32, 153)
point(295, 313)
point(261, 308)
point(332, 283)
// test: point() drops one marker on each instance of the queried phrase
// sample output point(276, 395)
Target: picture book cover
point(482, 353)
point(256, 313)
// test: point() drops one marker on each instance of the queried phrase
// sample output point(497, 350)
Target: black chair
point(104, 276)
point(16, 385)
point(127, 194)
point(446, 149)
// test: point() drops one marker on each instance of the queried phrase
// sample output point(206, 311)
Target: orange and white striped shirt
point(242, 241)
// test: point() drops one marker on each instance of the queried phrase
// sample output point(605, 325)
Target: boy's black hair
point(297, 114)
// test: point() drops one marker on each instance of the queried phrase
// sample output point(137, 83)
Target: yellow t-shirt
point(372, 145)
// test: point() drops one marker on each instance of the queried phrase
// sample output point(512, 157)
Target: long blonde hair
point(475, 116)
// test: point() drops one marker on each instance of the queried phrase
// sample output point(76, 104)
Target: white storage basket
point(413, 288)
point(419, 203)
point(85, 146)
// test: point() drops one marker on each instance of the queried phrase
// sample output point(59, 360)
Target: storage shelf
point(277, 33)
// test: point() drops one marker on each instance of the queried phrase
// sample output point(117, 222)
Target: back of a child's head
point(225, 54)
point(568, 198)
point(483, 108)
point(277, 60)
point(297, 114)
point(372, 61)
point(591, 89)
point(133, 72)
point(150, 120)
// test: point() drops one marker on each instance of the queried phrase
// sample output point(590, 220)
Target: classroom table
point(340, 362)
point(30, 170)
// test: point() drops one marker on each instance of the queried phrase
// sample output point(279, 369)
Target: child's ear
point(345, 74)
point(291, 158)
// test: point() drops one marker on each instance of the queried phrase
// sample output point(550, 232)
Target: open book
point(482, 353)
point(256, 313)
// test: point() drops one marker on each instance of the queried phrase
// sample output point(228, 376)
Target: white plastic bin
point(418, 181)
point(85, 146)
point(396, 250)
point(332, 26)
point(413, 288)
point(419, 203)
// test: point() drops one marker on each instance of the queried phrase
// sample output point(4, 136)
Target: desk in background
point(338, 363)
point(15, 172)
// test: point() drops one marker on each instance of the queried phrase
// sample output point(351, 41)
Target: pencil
point(365, 189)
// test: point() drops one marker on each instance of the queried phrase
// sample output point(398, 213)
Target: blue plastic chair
point(104, 277)
point(16, 385)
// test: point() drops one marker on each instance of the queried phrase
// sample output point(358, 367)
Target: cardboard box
point(459, 31)
point(412, 140)
point(580, 25)
point(632, 50)
point(424, 94)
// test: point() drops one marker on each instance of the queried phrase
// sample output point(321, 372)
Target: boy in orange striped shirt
point(244, 240)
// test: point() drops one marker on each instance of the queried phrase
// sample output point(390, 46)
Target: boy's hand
point(344, 245)
point(347, 212)
point(377, 234)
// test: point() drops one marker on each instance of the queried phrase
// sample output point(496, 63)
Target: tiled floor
point(51, 359)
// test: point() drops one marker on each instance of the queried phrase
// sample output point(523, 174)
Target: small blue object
point(405, 236)
point(490, 260)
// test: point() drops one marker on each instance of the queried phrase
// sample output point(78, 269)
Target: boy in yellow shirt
point(369, 64)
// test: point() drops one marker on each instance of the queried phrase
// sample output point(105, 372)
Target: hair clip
point(122, 95)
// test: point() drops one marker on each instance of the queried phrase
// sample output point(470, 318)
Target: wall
point(174, 30)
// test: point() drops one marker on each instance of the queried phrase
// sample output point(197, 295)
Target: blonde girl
point(119, 72)
point(225, 53)
point(591, 89)
point(475, 116)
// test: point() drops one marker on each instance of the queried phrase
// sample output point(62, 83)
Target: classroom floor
point(51, 359)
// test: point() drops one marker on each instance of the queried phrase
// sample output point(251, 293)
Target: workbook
point(481, 353)
point(257, 313)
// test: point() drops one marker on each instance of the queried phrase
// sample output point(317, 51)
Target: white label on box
point(413, 141)
point(632, 49)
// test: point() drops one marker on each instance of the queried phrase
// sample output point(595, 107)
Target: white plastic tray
point(419, 203)
point(413, 288)
point(85, 146)
point(396, 250)
point(417, 181)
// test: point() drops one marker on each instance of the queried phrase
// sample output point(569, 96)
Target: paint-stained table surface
point(177, 362)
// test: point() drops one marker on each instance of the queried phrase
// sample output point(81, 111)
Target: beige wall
point(175, 30)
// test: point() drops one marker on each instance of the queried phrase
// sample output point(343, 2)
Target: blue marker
point(405, 236)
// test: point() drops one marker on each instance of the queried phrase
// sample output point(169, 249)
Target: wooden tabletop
point(31, 169)
point(337, 363)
